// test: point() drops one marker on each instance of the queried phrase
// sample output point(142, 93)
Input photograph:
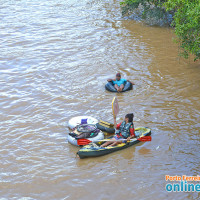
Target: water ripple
point(55, 59)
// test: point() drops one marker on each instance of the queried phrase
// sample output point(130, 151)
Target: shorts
point(120, 138)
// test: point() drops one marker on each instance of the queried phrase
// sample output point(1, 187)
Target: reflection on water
point(55, 59)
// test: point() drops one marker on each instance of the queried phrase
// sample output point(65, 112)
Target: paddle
point(115, 107)
point(84, 141)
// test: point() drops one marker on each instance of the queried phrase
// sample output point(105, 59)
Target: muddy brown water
point(54, 61)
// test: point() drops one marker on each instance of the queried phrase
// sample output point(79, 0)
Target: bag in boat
point(87, 131)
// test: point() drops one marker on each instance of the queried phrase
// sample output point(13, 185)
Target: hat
point(118, 74)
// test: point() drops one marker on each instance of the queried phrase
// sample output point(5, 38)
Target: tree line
point(183, 15)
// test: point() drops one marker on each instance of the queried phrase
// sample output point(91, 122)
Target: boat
point(110, 87)
point(75, 121)
point(86, 131)
point(94, 149)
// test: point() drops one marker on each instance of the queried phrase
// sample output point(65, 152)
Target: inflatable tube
point(105, 129)
point(75, 121)
point(73, 140)
point(110, 87)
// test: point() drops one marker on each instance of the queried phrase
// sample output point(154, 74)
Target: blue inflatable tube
point(110, 87)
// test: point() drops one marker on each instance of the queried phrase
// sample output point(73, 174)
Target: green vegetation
point(185, 15)
point(146, 9)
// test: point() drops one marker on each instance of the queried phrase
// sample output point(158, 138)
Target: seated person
point(124, 133)
point(119, 82)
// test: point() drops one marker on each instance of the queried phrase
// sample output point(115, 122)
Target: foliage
point(187, 25)
point(148, 8)
point(186, 19)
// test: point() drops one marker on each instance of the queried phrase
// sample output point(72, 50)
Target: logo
point(184, 184)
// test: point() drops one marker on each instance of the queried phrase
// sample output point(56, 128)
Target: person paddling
point(125, 130)
point(119, 82)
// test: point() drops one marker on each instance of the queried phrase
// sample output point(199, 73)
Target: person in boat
point(119, 82)
point(125, 131)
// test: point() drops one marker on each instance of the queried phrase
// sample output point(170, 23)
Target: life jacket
point(124, 129)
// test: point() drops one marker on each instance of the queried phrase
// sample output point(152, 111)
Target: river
point(55, 59)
